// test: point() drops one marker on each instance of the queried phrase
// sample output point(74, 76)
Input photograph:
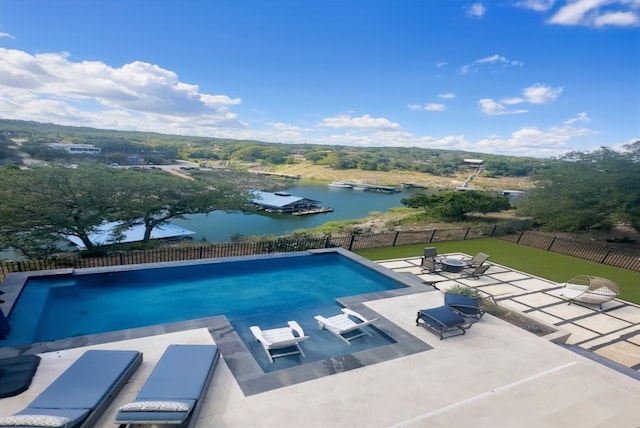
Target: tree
point(592, 190)
point(453, 206)
point(41, 204)
point(156, 198)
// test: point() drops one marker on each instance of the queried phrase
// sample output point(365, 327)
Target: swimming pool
point(261, 290)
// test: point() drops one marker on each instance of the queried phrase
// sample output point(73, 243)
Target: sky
point(516, 77)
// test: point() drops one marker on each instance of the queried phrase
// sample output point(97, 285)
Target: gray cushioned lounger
point(180, 377)
point(84, 391)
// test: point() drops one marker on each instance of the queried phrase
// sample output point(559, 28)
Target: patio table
point(453, 265)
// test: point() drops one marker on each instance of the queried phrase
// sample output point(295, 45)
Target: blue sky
point(514, 77)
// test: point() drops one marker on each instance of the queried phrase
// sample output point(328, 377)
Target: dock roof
point(277, 199)
point(104, 234)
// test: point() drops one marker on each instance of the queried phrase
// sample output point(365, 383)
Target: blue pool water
point(265, 291)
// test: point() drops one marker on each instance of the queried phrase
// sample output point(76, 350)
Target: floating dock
point(364, 186)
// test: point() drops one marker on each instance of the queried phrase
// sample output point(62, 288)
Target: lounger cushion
point(16, 374)
point(156, 406)
point(34, 421)
point(180, 374)
point(86, 383)
point(444, 315)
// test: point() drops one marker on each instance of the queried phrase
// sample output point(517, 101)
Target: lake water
point(346, 203)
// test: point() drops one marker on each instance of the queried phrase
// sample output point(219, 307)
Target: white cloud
point(6, 36)
point(42, 86)
point(476, 10)
point(428, 107)
point(582, 117)
point(537, 5)
point(362, 122)
point(534, 142)
point(541, 94)
point(598, 13)
point(441, 64)
point(490, 61)
point(492, 107)
point(447, 96)
point(617, 19)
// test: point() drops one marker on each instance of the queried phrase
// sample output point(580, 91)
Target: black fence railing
point(618, 257)
point(513, 231)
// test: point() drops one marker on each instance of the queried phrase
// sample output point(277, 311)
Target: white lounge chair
point(286, 339)
point(343, 324)
point(591, 290)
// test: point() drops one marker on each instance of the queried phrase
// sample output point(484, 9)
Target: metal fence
point(513, 231)
point(618, 257)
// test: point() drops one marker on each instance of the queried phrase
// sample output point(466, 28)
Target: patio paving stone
point(568, 312)
point(513, 305)
point(543, 316)
point(502, 289)
point(629, 313)
point(534, 284)
point(602, 323)
point(481, 281)
point(536, 300)
point(625, 353)
point(395, 264)
point(510, 276)
point(635, 339)
point(607, 338)
point(578, 334)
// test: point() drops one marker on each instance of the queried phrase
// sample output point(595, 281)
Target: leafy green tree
point(43, 203)
point(454, 206)
point(592, 190)
point(156, 198)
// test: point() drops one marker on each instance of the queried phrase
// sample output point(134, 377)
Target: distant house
point(283, 202)
point(473, 163)
point(76, 149)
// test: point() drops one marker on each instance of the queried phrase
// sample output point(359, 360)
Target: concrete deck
point(496, 375)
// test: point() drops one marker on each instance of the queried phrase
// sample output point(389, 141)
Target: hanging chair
point(591, 290)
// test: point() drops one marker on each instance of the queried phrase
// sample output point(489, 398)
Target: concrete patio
point(496, 375)
point(612, 332)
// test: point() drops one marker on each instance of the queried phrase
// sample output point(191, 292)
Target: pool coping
point(246, 370)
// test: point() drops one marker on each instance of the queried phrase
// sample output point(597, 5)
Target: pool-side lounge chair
point(465, 306)
point(476, 260)
point(344, 324)
point(442, 321)
point(475, 272)
point(174, 391)
point(16, 374)
point(80, 395)
point(280, 342)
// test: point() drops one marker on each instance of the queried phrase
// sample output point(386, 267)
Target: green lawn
point(545, 264)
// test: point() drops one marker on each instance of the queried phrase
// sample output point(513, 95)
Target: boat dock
point(318, 210)
point(364, 186)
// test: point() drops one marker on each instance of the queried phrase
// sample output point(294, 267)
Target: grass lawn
point(545, 264)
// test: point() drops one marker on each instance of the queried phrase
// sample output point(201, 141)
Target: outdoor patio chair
point(475, 272)
point(346, 326)
point(174, 392)
point(81, 394)
point(280, 342)
point(591, 290)
point(476, 260)
point(430, 265)
point(443, 321)
point(465, 306)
